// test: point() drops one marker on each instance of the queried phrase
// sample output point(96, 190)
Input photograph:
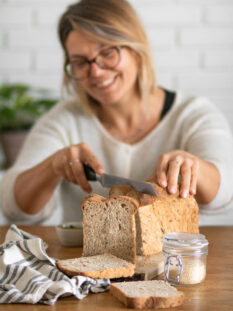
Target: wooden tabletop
point(214, 294)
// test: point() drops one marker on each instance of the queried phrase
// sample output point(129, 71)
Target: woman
point(117, 120)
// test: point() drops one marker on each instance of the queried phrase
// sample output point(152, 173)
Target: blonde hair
point(115, 23)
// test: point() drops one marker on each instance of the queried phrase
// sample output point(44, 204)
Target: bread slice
point(147, 294)
point(98, 267)
point(159, 215)
point(109, 226)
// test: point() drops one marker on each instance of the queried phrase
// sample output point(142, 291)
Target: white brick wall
point(16, 16)
point(12, 61)
point(219, 15)
point(192, 42)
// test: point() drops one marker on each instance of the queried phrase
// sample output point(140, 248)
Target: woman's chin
point(108, 99)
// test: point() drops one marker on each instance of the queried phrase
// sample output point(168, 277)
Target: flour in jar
point(194, 271)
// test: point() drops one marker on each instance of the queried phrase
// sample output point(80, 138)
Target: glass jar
point(184, 258)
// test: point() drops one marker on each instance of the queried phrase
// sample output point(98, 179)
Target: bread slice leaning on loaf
point(159, 215)
point(98, 267)
point(109, 226)
point(147, 294)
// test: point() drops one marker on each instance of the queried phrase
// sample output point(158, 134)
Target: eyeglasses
point(80, 67)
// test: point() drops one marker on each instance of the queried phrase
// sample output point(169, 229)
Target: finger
point(89, 158)
point(73, 167)
point(161, 171)
point(194, 176)
point(68, 171)
point(60, 167)
point(161, 176)
point(82, 154)
point(185, 172)
point(173, 174)
point(79, 175)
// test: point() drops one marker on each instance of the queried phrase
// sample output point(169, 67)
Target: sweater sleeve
point(46, 137)
point(207, 135)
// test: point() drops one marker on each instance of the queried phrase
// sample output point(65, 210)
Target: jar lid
point(185, 240)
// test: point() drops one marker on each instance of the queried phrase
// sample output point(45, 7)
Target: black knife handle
point(90, 173)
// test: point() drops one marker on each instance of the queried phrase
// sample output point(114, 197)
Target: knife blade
point(107, 181)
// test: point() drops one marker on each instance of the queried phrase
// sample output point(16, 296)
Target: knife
point(108, 181)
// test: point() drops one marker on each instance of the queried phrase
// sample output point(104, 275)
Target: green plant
point(21, 105)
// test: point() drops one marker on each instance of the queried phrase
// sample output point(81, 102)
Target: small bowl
point(70, 233)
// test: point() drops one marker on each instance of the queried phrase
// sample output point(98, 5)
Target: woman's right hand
point(68, 163)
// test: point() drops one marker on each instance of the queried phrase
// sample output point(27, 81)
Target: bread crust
point(99, 198)
point(149, 302)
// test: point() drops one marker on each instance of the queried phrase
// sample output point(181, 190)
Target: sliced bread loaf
point(100, 266)
point(109, 226)
point(159, 215)
point(147, 294)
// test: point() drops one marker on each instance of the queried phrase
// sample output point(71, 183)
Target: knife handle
point(90, 173)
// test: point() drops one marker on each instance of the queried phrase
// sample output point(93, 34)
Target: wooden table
point(214, 294)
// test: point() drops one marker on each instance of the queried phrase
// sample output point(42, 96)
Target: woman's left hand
point(172, 164)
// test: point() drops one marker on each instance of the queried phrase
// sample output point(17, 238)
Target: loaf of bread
point(98, 267)
point(147, 294)
point(159, 215)
point(109, 226)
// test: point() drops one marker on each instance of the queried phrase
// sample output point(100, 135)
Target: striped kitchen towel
point(29, 275)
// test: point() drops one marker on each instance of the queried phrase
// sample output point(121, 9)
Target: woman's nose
point(95, 70)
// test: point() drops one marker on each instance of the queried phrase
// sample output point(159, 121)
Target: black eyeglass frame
point(117, 48)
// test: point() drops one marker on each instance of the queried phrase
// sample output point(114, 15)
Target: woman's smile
point(105, 84)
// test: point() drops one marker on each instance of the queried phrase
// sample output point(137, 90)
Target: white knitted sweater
point(192, 124)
